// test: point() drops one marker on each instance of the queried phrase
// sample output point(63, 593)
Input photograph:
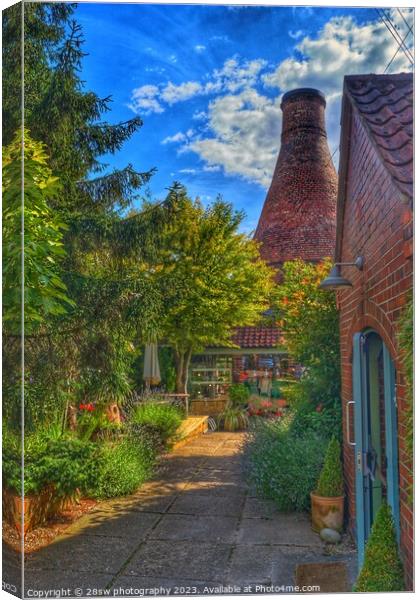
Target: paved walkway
point(196, 527)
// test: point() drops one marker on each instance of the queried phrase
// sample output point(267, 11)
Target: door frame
point(360, 399)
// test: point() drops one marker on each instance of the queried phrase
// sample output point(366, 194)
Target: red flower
point(319, 408)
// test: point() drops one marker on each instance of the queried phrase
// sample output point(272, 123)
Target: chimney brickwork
point(298, 219)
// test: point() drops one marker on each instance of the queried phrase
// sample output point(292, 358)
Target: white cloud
point(295, 35)
point(232, 77)
point(188, 171)
point(143, 99)
point(212, 168)
point(177, 137)
point(246, 129)
point(199, 48)
point(199, 115)
point(172, 93)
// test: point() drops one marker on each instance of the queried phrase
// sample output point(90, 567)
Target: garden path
point(196, 525)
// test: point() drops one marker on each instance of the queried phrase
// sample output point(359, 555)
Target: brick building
point(298, 220)
point(374, 221)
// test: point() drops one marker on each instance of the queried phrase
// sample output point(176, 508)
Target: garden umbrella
point(151, 370)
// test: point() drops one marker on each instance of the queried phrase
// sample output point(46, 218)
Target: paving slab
point(189, 560)
point(142, 502)
point(284, 529)
point(126, 523)
point(82, 553)
point(191, 527)
point(205, 504)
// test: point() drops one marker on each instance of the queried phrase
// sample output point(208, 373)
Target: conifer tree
point(382, 569)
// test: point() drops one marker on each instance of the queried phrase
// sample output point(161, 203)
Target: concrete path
point(195, 528)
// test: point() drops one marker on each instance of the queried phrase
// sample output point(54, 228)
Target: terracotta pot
point(35, 508)
point(327, 512)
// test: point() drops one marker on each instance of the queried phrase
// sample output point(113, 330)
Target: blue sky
point(207, 81)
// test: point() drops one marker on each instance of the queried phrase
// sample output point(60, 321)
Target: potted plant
point(327, 500)
point(234, 418)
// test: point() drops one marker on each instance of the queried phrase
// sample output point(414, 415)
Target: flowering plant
point(265, 408)
point(87, 407)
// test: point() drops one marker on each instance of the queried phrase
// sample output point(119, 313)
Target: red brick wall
point(377, 225)
point(298, 217)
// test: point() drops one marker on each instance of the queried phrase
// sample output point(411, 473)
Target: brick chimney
point(298, 219)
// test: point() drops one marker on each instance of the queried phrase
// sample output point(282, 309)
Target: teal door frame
point(360, 374)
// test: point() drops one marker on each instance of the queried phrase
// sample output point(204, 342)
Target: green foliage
point(330, 482)
point(238, 394)
point(165, 418)
point(321, 420)
point(406, 345)
point(123, 466)
point(309, 319)
point(65, 463)
point(44, 290)
point(282, 466)
point(382, 569)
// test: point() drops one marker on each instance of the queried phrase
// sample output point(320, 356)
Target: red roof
point(257, 337)
point(385, 103)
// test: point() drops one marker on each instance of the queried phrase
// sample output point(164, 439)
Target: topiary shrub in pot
point(382, 570)
point(327, 501)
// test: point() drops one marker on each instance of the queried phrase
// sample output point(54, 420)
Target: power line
point(396, 52)
point(395, 34)
point(410, 27)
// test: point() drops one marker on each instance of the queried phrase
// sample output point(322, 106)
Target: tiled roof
point(385, 103)
point(257, 337)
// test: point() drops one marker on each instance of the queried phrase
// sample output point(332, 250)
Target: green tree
point(382, 569)
point(330, 482)
point(308, 317)
point(45, 293)
point(210, 277)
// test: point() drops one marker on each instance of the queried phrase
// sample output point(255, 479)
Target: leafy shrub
point(123, 466)
point(282, 466)
point(65, 463)
point(238, 394)
point(164, 418)
point(330, 482)
point(318, 419)
point(382, 569)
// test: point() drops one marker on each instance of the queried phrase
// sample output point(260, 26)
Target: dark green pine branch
point(117, 188)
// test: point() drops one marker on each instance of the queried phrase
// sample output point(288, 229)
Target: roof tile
point(385, 103)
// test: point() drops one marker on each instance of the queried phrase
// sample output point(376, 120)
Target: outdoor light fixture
point(335, 280)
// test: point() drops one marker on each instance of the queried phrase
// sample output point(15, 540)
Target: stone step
point(190, 428)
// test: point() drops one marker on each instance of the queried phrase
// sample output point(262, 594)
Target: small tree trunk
point(187, 361)
point(179, 363)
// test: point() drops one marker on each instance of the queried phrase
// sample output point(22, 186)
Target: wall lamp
point(335, 280)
